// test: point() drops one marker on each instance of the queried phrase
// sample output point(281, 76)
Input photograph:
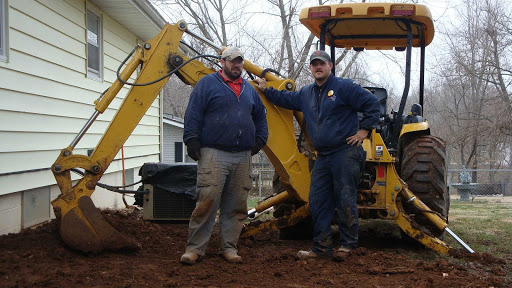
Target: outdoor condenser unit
point(169, 191)
point(160, 204)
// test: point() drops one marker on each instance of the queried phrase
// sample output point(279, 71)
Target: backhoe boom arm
point(82, 226)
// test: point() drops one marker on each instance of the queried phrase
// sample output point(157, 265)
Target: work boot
point(305, 255)
point(189, 258)
point(341, 254)
point(232, 257)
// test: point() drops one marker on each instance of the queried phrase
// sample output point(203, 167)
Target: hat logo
point(320, 54)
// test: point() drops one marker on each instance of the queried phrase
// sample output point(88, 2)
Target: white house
point(174, 151)
point(56, 57)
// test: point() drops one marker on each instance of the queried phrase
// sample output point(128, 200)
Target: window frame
point(4, 24)
point(91, 72)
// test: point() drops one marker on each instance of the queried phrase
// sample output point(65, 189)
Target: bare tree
point(499, 30)
point(175, 97)
point(246, 24)
point(473, 91)
point(212, 19)
point(208, 18)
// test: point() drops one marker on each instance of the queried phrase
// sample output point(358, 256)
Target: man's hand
point(261, 83)
point(357, 139)
point(257, 146)
point(194, 148)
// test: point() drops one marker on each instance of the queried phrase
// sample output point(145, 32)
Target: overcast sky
point(443, 13)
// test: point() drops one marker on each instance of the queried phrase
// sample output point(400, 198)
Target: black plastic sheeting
point(173, 178)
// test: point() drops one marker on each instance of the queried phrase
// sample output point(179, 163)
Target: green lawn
point(252, 202)
point(484, 224)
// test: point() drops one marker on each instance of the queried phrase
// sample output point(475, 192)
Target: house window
point(94, 49)
point(3, 30)
point(178, 152)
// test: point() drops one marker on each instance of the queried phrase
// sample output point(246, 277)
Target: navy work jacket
point(330, 110)
point(220, 119)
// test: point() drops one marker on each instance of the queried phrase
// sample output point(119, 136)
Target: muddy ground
point(38, 258)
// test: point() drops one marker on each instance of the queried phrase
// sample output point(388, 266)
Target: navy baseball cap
point(320, 55)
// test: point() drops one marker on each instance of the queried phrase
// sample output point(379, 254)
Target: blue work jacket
point(221, 120)
point(330, 110)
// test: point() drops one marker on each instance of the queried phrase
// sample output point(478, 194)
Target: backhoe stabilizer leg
point(279, 223)
point(83, 228)
point(409, 227)
point(434, 217)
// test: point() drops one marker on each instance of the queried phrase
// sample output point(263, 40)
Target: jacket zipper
point(241, 90)
point(242, 87)
point(317, 100)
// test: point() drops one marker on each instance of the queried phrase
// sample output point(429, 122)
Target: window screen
point(178, 152)
point(93, 45)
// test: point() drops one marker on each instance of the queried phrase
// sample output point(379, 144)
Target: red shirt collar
point(237, 81)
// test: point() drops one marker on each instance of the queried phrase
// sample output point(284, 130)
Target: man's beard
point(232, 74)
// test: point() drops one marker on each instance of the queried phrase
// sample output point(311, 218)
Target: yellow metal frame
point(350, 13)
point(414, 127)
point(291, 165)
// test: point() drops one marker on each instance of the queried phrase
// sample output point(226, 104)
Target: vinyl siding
point(171, 135)
point(47, 98)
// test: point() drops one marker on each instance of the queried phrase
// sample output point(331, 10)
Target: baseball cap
point(320, 55)
point(231, 53)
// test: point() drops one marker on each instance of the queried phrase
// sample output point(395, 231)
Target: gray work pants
point(223, 182)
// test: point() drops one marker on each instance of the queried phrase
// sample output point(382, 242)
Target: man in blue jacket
point(330, 106)
point(225, 123)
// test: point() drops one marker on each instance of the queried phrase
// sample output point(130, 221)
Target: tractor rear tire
point(423, 168)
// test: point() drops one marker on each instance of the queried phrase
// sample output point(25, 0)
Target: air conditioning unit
point(169, 191)
point(160, 204)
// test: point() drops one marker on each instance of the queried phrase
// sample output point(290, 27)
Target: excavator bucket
point(83, 228)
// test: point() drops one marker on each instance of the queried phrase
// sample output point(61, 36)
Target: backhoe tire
point(423, 168)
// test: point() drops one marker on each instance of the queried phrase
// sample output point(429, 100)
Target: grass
point(485, 225)
point(252, 202)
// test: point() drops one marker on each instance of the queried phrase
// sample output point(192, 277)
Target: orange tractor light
point(320, 12)
point(402, 10)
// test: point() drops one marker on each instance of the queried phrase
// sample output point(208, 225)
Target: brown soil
point(38, 258)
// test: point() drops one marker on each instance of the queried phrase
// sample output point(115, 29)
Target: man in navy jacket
point(225, 123)
point(330, 106)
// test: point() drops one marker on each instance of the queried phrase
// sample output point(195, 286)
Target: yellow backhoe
point(401, 150)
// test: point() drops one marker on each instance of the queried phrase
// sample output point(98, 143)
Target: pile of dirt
point(38, 258)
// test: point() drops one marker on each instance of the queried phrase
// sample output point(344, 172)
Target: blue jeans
point(334, 182)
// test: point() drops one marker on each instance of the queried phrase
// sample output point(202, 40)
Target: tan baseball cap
point(231, 53)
